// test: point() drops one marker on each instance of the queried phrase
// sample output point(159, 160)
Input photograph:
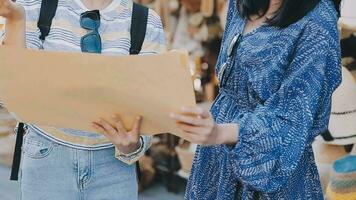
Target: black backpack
point(47, 13)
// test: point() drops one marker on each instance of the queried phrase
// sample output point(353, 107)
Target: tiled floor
point(8, 190)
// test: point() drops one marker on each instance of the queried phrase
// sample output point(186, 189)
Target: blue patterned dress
point(277, 85)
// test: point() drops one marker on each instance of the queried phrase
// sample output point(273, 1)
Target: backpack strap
point(17, 153)
point(138, 27)
point(47, 13)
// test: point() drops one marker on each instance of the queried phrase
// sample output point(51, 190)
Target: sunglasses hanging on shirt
point(91, 42)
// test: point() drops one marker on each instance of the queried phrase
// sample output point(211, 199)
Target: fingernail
point(172, 115)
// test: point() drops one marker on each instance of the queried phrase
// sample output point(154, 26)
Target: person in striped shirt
point(61, 163)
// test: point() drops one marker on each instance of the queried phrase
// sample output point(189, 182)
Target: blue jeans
point(51, 171)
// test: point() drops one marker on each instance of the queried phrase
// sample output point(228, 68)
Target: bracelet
point(133, 153)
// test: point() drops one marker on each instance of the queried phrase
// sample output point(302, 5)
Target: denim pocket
point(36, 146)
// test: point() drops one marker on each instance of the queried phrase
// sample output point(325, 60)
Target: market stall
point(197, 26)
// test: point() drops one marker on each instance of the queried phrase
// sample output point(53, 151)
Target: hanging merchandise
point(214, 28)
point(222, 12)
point(325, 156)
point(186, 151)
point(183, 38)
point(161, 7)
point(196, 19)
point(173, 5)
point(148, 172)
point(191, 5)
point(342, 184)
point(207, 7)
point(342, 126)
point(197, 28)
point(348, 14)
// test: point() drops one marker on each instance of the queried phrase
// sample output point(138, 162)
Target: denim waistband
point(70, 144)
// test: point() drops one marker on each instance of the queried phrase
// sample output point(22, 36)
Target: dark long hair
point(290, 11)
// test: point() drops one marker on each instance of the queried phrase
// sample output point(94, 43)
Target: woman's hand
point(11, 11)
point(125, 141)
point(199, 127)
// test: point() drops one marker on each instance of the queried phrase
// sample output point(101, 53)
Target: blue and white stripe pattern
point(279, 93)
point(65, 35)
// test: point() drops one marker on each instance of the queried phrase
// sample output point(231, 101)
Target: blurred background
point(197, 26)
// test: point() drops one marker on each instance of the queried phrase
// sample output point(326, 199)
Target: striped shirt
point(65, 35)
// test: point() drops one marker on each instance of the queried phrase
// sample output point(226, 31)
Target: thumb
point(137, 125)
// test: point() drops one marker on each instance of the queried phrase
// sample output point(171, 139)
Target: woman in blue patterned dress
point(278, 67)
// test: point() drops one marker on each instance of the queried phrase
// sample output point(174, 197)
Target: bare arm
point(15, 24)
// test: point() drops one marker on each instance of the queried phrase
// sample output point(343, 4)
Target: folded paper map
point(70, 90)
